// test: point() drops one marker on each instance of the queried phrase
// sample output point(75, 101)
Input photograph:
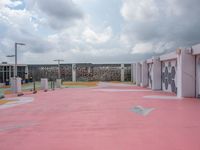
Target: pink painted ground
point(88, 119)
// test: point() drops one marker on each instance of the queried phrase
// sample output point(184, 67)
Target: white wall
point(186, 74)
point(44, 84)
point(198, 75)
point(144, 68)
point(156, 74)
point(133, 73)
point(138, 74)
point(16, 85)
point(122, 72)
point(196, 49)
point(73, 72)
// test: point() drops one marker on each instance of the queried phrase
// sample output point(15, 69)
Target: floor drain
point(141, 110)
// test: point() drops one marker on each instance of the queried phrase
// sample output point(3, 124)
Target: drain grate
point(142, 111)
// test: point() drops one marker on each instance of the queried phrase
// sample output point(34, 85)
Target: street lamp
point(15, 67)
point(58, 60)
point(15, 71)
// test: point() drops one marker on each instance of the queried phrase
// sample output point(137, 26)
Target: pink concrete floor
point(88, 119)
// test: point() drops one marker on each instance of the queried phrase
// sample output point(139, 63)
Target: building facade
point(7, 72)
point(68, 72)
point(176, 72)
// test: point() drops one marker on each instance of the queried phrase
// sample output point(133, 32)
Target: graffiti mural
point(169, 78)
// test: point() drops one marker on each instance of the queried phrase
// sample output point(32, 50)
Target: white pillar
point(138, 74)
point(58, 83)
point(133, 73)
point(144, 74)
point(185, 73)
point(10, 67)
point(44, 84)
point(26, 72)
point(3, 74)
point(16, 85)
point(122, 72)
point(73, 72)
point(156, 75)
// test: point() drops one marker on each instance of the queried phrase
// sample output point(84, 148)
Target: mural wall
point(169, 76)
point(84, 72)
point(36, 72)
point(127, 72)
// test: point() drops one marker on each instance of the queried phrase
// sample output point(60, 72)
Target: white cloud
point(142, 48)
point(165, 24)
point(84, 30)
point(139, 10)
point(93, 37)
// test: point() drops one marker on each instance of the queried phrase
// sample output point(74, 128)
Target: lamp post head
point(20, 44)
point(58, 60)
point(10, 56)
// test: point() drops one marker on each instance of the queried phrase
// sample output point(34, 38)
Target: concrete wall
point(144, 76)
point(16, 85)
point(74, 72)
point(172, 72)
point(196, 53)
point(198, 76)
point(186, 74)
point(138, 74)
point(133, 73)
point(122, 72)
point(82, 72)
point(156, 74)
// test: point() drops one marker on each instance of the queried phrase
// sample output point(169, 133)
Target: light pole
point(58, 60)
point(15, 70)
point(10, 67)
point(15, 67)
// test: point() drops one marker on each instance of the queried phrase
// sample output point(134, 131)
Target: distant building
point(83, 72)
point(6, 72)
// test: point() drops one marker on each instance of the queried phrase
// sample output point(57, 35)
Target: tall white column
point(144, 74)
point(156, 75)
point(122, 72)
point(44, 84)
point(3, 74)
point(185, 73)
point(16, 85)
point(138, 74)
point(58, 83)
point(133, 73)
point(26, 72)
point(10, 67)
point(73, 72)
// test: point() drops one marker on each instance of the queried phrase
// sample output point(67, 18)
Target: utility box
point(58, 83)
point(16, 85)
point(44, 84)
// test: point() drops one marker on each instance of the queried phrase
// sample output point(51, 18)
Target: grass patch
point(80, 84)
point(4, 102)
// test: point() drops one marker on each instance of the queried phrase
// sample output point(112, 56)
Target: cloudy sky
point(97, 31)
